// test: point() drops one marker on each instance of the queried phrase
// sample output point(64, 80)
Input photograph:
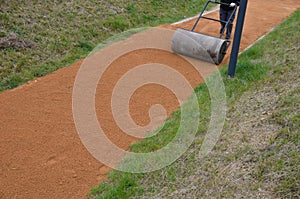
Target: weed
point(86, 46)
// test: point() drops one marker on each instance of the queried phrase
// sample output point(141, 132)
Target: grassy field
point(258, 154)
point(39, 37)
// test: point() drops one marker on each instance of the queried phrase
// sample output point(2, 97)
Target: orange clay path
point(41, 155)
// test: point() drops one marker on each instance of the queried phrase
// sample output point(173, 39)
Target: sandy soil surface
point(41, 154)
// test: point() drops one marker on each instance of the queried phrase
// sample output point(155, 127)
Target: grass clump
point(258, 154)
point(124, 187)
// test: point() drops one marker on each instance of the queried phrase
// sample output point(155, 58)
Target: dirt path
point(40, 152)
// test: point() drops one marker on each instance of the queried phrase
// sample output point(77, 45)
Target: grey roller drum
point(199, 46)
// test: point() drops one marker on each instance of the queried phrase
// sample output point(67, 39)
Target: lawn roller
point(200, 46)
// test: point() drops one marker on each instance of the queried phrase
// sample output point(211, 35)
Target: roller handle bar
point(212, 19)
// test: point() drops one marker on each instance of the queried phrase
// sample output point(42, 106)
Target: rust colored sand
point(40, 152)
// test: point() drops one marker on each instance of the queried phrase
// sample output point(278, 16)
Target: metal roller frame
point(201, 46)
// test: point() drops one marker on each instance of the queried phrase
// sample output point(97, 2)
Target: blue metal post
point(237, 38)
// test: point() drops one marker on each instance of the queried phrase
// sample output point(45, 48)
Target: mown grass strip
point(254, 67)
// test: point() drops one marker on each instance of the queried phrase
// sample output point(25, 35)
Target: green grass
point(258, 65)
point(66, 31)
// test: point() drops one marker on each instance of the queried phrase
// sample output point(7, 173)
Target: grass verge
point(37, 38)
point(274, 173)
